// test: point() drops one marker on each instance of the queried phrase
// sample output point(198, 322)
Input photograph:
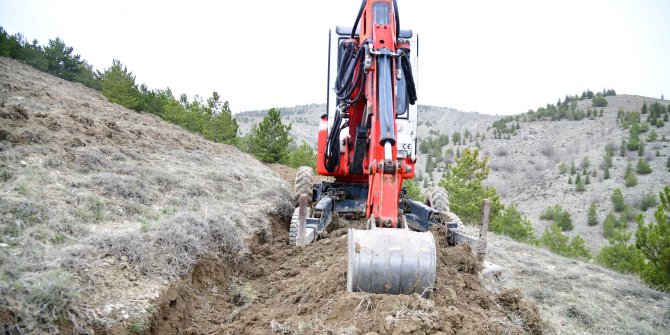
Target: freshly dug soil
point(286, 290)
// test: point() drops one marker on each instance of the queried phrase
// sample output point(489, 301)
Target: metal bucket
point(390, 261)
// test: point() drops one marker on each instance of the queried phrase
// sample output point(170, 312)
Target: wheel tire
point(304, 179)
point(437, 198)
point(293, 228)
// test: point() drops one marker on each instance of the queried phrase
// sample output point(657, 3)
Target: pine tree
point(606, 175)
point(269, 140)
point(587, 180)
point(629, 177)
point(592, 217)
point(618, 200)
point(579, 186)
point(622, 148)
point(643, 166)
point(118, 85)
point(464, 181)
point(570, 180)
point(573, 169)
point(303, 156)
point(644, 107)
point(512, 223)
point(653, 240)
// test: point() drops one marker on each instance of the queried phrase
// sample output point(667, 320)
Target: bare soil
point(286, 290)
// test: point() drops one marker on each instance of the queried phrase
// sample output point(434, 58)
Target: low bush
point(643, 166)
point(648, 201)
point(611, 225)
point(560, 216)
point(554, 240)
point(514, 224)
point(619, 255)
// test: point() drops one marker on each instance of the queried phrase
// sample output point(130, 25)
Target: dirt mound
point(283, 289)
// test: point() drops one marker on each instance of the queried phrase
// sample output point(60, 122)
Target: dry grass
point(98, 207)
point(578, 297)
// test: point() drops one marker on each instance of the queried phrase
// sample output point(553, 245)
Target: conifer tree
point(629, 177)
point(618, 200)
point(592, 217)
point(269, 140)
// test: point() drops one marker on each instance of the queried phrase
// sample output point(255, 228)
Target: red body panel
point(384, 187)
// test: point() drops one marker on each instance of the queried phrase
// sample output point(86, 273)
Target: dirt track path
point(282, 289)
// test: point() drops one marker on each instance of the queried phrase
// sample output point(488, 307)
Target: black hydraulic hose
point(397, 19)
point(358, 18)
point(331, 158)
point(409, 78)
point(353, 77)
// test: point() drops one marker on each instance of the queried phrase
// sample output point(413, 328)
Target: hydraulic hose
point(358, 18)
point(409, 78)
point(331, 159)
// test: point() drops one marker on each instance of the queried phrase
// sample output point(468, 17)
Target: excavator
point(367, 144)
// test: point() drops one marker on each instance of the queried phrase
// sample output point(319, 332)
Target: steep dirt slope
point(102, 207)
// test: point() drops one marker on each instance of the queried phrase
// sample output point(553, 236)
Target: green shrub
point(554, 240)
point(648, 201)
point(618, 200)
point(630, 179)
point(560, 216)
point(563, 168)
point(621, 256)
point(303, 156)
point(269, 139)
point(599, 101)
point(513, 224)
point(653, 240)
point(413, 190)
point(580, 187)
point(611, 225)
point(643, 166)
point(592, 217)
point(628, 214)
point(463, 180)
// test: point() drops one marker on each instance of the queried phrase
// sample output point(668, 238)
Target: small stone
point(107, 309)
point(23, 163)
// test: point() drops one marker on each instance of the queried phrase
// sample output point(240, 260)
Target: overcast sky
point(494, 57)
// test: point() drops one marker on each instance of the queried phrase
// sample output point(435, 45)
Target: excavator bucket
point(390, 261)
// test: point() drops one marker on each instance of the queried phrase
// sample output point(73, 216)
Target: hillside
point(305, 120)
point(525, 168)
point(117, 222)
point(114, 221)
point(103, 207)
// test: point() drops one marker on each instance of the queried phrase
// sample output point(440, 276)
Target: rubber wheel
point(304, 179)
point(437, 198)
point(293, 228)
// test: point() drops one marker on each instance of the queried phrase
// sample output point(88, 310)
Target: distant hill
point(305, 120)
point(525, 162)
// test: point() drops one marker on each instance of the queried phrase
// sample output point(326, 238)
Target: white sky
point(494, 57)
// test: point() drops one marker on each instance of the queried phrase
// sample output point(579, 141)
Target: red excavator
point(367, 142)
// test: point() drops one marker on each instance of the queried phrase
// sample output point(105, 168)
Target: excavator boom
point(367, 142)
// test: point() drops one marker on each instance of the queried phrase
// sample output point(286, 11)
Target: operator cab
point(406, 114)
